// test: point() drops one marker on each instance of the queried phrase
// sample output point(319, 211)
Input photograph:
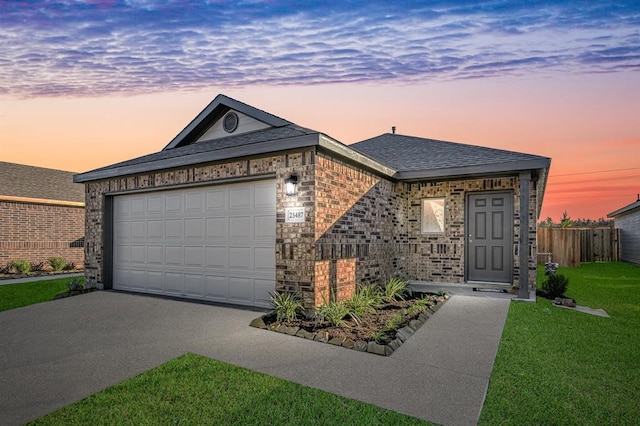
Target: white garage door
point(214, 242)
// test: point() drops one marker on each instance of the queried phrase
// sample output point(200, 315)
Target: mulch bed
point(11, 276)
point(358, 335)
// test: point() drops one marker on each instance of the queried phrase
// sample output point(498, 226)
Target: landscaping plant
point(21, 266)
point(56, 263)
point(285, 305)
point(555, 286)
point(334, 313)
point(395, 289)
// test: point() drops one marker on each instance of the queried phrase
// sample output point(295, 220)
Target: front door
point(490, 237)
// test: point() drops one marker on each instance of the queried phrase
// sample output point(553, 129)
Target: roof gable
point(38, 184)
point(210, 123)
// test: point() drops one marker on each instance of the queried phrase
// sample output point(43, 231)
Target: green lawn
point(556, 366)
point(193, 390)
point(18, 295)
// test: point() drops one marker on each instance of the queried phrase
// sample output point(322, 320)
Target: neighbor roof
point(626, 209)
point(38, 184)
point(420, 158)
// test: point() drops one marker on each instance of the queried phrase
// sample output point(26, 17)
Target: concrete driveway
point(58, 352)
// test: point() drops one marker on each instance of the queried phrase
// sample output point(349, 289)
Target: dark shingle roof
point(19, 180)
point(244, 139)
point(626, 209)
point(412, 155)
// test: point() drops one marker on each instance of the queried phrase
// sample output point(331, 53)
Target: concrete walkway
point(41, 278)
point(58, 352)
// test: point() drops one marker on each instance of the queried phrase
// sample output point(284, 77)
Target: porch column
point(523, 288)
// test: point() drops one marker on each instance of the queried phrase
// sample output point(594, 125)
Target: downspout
point(523, 253)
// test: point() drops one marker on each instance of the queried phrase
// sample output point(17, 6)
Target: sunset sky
point(84, 84)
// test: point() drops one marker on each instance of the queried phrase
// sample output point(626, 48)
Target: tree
point(565, 222)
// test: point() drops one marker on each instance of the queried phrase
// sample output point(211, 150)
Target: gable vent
point(230, 122)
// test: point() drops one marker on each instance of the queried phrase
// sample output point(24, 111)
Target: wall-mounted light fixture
point(290, 184)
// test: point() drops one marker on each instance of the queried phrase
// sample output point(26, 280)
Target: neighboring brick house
point(41, 215)
point(241, 203)
point(627, 219)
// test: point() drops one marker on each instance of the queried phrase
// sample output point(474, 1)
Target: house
point(241, 203)
point(627, 220)
point(41, 215)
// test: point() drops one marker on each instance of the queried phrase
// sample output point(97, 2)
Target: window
point(432, 220)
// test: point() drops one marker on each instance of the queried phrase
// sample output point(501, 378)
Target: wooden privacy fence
point(571, 246)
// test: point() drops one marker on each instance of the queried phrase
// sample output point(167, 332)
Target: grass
point(556, 366)
point(18, 295)
point(193, 389)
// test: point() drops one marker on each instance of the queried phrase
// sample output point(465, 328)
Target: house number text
point(294, 215)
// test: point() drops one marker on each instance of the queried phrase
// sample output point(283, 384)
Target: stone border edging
point(402, 334)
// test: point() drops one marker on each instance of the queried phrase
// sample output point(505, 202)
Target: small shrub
point(555, 286)
point(333, 312)
point(69, 267)
point(394, 322)
point(75, 285)
point(360, 304)
point(395, 289)
point(5, 269)
point(21, 266)
point(372, 293)
point(285, 305)
point(56, 263)
point(419, 306)
point(379, 336)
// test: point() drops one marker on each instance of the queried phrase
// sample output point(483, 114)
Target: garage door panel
point(139, 254)
point(240, 227)
point(194, 256)
point(174, 283)
point(265, 196)
point(155, 281)
point(138, 279)
point(194, 285)
point(261, 292)
point(264, 228)
point(193, 201)
point(193, 228)
point(155, 205)
point(173, 256)
point(217, 257)
point(216, 199)
point(173, 228)
point(138, 206)
point(240, 258)
point(139, 229)
point(241, 289)
point(173, 203)
point(123, 230)
point(264, 259)
point(216, 287)
point(155, 229)
point(215, 243)
point(123, 254)
point(239, 198)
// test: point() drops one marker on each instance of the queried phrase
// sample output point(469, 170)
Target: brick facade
point(36, 232)
point(359, 227)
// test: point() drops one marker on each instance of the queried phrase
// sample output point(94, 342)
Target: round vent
point(230, 122)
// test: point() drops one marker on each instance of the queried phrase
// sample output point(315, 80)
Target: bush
point(395, 289)
point(285, 305)
point(21, 266)
point(69, 267)
point(56, 263)
point(334, 313)
point(555, 286)
point(75, 284)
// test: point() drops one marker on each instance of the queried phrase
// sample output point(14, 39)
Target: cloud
point(87, 48)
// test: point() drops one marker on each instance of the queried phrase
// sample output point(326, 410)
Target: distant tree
point(565, 222)
point(548, 222)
